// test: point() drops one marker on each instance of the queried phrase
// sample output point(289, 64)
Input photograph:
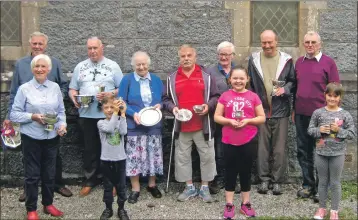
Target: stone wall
point(160, 27)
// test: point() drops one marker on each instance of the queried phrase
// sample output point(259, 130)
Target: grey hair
point(43, 57)
point(186, 46)
point(38, 34)
point(226, 44)
point(311, 33)
point(95, 38)
point(137, 54)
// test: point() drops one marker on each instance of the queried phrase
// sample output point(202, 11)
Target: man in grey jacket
point(188, 86)
point(267, 68)
point(221, 72)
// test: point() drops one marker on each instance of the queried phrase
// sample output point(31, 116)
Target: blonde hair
point(43, 57)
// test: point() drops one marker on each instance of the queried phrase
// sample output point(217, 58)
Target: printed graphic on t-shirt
point(239, 104)
point(332, 135)
point(114, 139)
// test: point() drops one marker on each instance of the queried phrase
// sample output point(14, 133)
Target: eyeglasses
point(310, 42)
point(225, 54)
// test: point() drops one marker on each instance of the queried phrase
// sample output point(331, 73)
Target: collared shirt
point(23, 74)
point(34, 98)
point(145, 91)
point(317, 57)
point(88, 76)
point(221, 69)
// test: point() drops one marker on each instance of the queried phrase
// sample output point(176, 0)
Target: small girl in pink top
point(239, 111)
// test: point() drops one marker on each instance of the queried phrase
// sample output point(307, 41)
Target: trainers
point(333, 215)
point(204, 193)
point(229, 211)
point(106, 214)
point(320, 214)
point(187, 193)
point(304, 193)
point(263, 189)
point(122, 214)
point(315, 198)
point(247, 210)
point(276, 189)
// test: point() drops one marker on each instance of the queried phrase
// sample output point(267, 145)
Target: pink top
point(236, 101)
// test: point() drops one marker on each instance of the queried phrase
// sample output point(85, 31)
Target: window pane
point(282, 17)
point(10, 23)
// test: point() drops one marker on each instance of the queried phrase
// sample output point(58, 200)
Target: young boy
point(113, 157)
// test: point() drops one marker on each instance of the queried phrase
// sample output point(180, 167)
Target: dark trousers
point(305, 151)
point(92, 150)
point(114, 175)
point(239, 160)
point(272, 141)
point(219, 154)
point(40, 164)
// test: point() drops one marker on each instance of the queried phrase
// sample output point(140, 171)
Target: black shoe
point(122, 214)
point(133, 197)
point(304, 193)
point(315, 198)
point(22, 197)
point(106, 214)
point(263, 189)
point(276, 189)
point(214, 187)
point(154, 191)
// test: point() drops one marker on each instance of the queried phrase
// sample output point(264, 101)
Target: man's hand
point(279, 91)
point(62, 130)
point(100, 96)
point(136, 118)
point(6, 123)
point(39, 118)
point(175, 110)
point(205, 110)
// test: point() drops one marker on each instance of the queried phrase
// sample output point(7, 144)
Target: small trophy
point(198, 108)
point(50, 120)
point(238, 115)
point(101, 88)
point(276, 84)
point(120, 99)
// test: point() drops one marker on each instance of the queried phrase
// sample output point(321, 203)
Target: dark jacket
point(280, 106)
point(211, 96)
point(220, 79)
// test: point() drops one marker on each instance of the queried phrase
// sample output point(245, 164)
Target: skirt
point(144, 155)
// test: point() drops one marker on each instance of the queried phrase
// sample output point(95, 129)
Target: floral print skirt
point(144, 155)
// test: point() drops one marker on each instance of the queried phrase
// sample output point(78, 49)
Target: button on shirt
point(145, 91)
point(35, 98)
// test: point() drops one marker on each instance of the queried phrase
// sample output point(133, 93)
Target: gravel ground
point(167, 207)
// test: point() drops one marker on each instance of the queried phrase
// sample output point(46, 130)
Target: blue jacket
point(129, 90)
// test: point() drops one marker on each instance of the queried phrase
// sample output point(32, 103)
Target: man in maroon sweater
point(314, 71)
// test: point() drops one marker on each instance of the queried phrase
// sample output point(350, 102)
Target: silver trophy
point(238, 114)
point(101, 88)
point(50, 120)
point(198, 108)
point(276, 84)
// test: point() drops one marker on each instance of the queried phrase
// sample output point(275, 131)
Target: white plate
point(149, 116)
point(184, 115)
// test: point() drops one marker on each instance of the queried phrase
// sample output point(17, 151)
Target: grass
point(349, 190)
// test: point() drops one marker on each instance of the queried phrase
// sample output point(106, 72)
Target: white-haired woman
point(141, 89)
point(33, 99)
point(221, 70)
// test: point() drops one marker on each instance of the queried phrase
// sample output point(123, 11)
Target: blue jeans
point(40, 164)
point(305, 152)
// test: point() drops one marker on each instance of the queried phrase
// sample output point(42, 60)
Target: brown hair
point(240, 67)
point(107, 99)
point(335, 88)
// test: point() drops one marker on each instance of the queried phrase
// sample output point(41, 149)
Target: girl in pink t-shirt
point(239, 111)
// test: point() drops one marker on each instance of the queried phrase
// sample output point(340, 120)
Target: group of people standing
point(245, 115)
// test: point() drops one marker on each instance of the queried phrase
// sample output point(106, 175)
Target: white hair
point(226, 44)
point(311, 33)
point(41, 57)
point(95, 38)
point(140, 53)
point(186, 46)
point(38, 34)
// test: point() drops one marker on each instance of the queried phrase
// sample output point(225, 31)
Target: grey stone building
point(160, 27)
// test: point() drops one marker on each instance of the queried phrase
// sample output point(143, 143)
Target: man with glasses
point(22, 74)
point(89, 76)
point(220, 72)
point(273, 78)
point(314, 71)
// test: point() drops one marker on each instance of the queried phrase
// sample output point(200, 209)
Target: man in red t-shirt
point(190, 85)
